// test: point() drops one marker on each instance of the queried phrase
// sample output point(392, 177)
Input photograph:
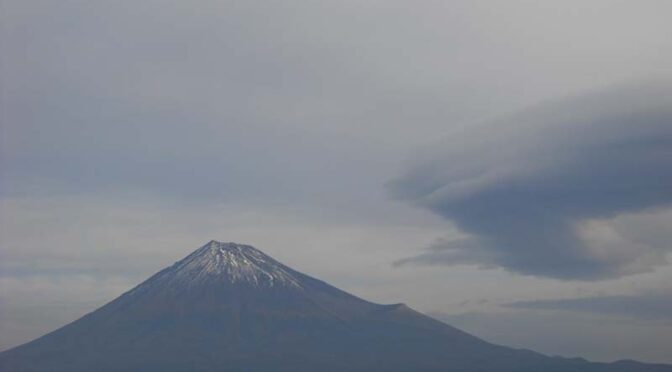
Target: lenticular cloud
point(528, 190)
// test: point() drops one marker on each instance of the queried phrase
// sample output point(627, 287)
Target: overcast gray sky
point(505, 166)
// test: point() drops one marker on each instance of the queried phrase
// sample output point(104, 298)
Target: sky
point(503, 166)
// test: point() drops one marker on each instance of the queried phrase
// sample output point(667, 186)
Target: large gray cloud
point(530, 191)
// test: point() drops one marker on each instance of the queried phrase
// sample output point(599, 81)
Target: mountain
point(229, 307)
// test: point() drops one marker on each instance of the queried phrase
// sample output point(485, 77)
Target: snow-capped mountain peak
point(229, 263)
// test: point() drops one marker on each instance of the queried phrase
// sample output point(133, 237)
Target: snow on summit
point(227, 263)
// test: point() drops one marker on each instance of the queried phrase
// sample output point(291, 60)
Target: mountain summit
point(236, 264)
point(230, 307)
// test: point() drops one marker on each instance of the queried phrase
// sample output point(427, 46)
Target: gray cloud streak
point(644, 305)
point(524, 188)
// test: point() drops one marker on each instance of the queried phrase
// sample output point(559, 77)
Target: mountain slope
point(230, 307)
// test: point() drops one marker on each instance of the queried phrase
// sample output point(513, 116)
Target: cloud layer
point(538, 192)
